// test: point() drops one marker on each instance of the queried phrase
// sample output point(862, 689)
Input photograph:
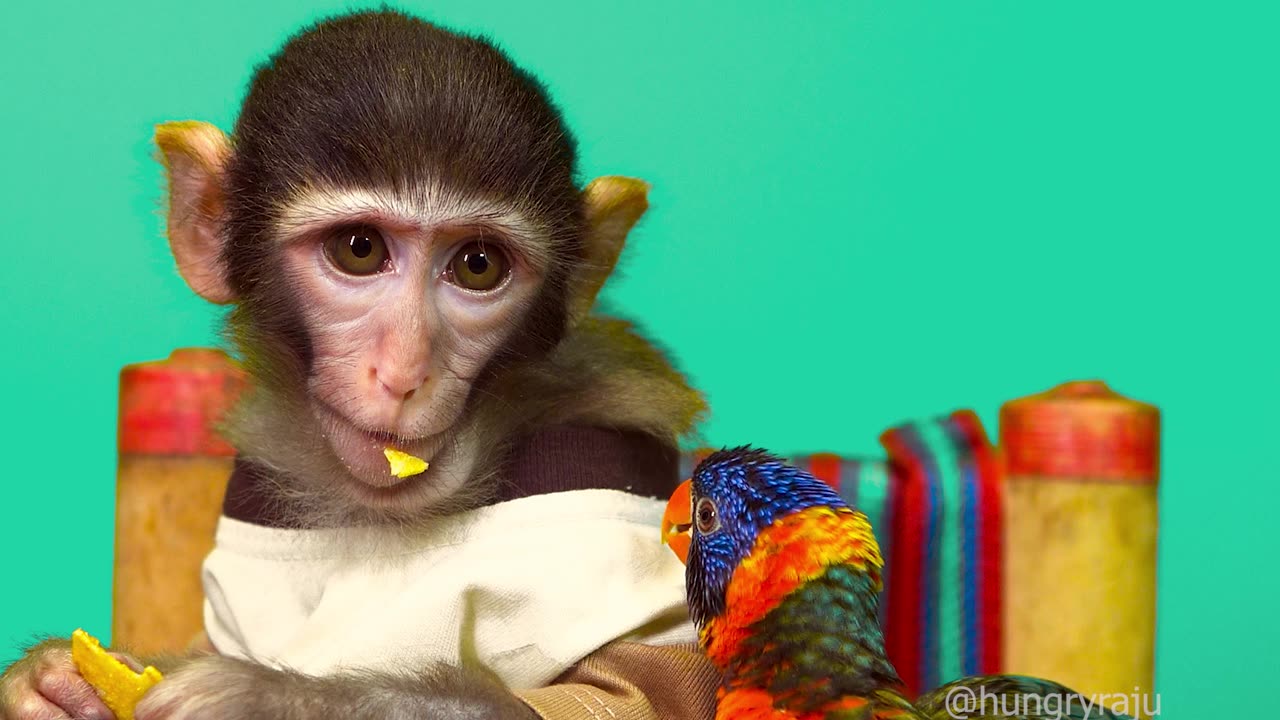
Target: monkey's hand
point(45, 685)
point(215, 688)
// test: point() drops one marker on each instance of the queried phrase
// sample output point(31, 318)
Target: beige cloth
point(632, 681)
point(526, 588)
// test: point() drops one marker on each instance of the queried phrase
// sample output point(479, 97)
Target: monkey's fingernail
point(403, 464)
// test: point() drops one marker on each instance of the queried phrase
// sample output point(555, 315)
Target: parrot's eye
point(707, 518)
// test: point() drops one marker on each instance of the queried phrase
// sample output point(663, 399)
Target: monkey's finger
point(128, 661)
point(33, 706)
point(65, 689)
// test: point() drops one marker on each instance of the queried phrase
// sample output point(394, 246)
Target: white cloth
point(526, 588)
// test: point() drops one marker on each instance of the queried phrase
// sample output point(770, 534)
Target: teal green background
point(862, 212)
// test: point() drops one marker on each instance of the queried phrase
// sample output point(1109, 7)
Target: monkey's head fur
point(399, 226)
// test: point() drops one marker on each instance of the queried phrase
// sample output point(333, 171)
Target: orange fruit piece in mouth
point(403, 464)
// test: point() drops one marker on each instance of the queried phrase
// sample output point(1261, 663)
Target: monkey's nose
point(402, 388)
point(406, 395)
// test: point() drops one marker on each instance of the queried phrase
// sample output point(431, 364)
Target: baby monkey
point(412, 264)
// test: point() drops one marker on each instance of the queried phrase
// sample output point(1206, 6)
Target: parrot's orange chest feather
point(793, 550)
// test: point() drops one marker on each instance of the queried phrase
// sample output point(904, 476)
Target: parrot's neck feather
point(792, 551)
point(800, 625)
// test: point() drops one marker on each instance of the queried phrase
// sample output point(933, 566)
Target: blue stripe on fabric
point(969, 576)
point(943, 458)
point(849, 480)
point(928, 609)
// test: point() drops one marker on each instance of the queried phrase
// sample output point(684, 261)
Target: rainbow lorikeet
point(783, 583)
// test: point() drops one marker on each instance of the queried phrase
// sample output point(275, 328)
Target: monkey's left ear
point(613, 204)
point(195, 155)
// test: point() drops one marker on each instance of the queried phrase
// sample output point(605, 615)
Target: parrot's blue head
point(713, 519)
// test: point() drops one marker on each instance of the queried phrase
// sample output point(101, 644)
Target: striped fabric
point(944, 605)
point(935, 506)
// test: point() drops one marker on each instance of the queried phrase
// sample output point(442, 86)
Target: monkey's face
point(404, 305)
point(397, 220)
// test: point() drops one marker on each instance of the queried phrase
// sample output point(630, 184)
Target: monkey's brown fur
point(389, 104)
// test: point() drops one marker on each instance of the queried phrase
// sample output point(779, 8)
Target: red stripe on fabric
point(991, 542)
point(902, 633)
point(826, 467)
point(993, 591)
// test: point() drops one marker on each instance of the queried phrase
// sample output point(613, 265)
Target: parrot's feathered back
point(783, 580)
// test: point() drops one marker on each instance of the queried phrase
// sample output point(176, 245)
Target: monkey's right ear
point(195, 156)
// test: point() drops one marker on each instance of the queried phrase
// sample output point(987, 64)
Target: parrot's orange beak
point(677, 520)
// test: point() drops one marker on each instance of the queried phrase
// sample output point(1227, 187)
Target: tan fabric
point(632, 681)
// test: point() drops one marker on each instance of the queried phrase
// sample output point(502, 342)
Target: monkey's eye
point(706, 517)
point(477, 266)
point(357, 251)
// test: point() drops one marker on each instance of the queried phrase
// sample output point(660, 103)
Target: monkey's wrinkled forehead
point(384, 100)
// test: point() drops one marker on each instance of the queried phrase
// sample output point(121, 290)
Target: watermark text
point(978, 702)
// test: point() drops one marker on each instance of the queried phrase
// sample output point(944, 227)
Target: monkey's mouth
point(385, 437)
point(360, 449)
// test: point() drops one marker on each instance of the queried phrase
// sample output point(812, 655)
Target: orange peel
point(117, 684)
